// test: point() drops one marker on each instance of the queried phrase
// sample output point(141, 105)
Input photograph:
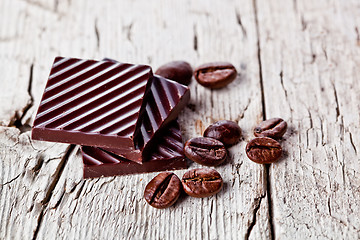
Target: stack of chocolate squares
point(124, 117)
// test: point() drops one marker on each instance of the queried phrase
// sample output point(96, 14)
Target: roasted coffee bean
point(273, 128)
point(178, 71)
point(263, 150)
point(163, 190)
point(228, 132)
point(202, 182)
point(205, 151)
point(215, 75)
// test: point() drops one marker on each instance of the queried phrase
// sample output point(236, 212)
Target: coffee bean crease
point(273, 128)
point(163, 190)
point(205, 151)
point(202, 182)
point(199, 179)
point(160, 191)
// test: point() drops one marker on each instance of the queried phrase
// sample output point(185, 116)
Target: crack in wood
point(57, 174)
point(97, 34)
point(270, 204)
point(267, 166)
point(18, 121)
point(39, 221)
point(60, 199)
point(310, 118)
point(257, 203)
point(300, 150)
point(195, 39)
point(357, 36)
point(38, 165)
point(104, 183)
point(352, 142)
point(303, 23)
point(336, 101)
point(342, 164)
point(325, 52)
point(211, 212)
point(282, 83)
point(237, 172)
point(281, 74)
point(242, 114)
point(80, 189)
point(259, 60)
point(313, 58)
point(8, 182)
point(284, 89)
point(322, 134)
point(128, 30)
point(238, 19)
point(52, 186)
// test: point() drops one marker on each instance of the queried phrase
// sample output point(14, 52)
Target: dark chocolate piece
point(164, 101)
point(167, 155)
point(96, 103)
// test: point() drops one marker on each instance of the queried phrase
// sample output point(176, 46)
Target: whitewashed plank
point(310, 56)
point(29, 171)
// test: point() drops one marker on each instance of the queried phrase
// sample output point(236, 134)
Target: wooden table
point(298, 60)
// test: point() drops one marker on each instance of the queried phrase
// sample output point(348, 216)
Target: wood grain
point(296, 60)
point(309, 58)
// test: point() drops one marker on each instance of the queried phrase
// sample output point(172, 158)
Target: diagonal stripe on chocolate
point(166, 155)
point(96, 103)
point(165, 100)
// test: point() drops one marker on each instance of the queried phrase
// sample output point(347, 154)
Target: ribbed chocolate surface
point(93, 97)
point(163, 100)
point(163, 103)
point(168, 155)
point(168, 146)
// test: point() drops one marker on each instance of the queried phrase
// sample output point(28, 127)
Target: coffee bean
point(215, 75)
point(205, 151)
point(273, 128)
point(178, 71)
point(263, 150)
point(228, 132)
point(163, 190)
point(202, 182)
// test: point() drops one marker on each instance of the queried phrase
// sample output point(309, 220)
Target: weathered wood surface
point(297, 60)
point(310, 58)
